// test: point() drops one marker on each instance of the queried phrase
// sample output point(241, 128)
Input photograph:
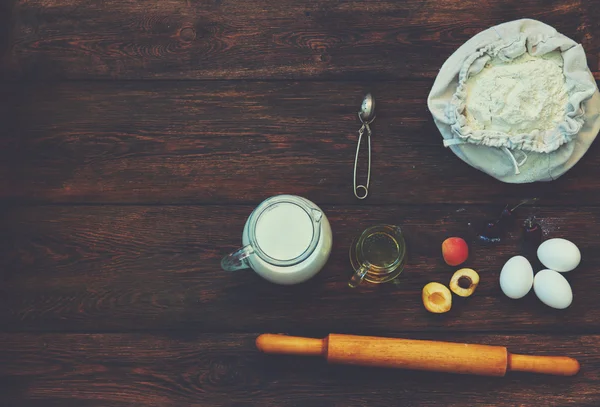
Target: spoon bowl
point(367, 109)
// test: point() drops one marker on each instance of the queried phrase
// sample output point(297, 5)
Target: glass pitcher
point(378, 255)
point(287, 239)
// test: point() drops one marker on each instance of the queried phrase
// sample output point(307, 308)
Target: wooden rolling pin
point(417, 354)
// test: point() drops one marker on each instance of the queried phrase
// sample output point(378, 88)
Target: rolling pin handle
point(553, 365)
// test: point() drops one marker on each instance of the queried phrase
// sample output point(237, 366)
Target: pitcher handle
point(358, 277)
point(237, 260)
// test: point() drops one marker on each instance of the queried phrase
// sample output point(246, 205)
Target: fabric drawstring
point(516, 163)
point(497, 33)
point(453, 142)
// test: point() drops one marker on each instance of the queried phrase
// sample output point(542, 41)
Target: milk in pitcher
point(287, 240)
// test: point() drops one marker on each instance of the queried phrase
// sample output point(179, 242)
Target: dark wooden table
point(137, 136)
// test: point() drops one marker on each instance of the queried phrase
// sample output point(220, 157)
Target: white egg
point(516, 277)
point(553, 289)
point(559, 255)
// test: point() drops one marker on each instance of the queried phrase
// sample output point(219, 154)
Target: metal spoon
point(367, 109)
point(366, 116)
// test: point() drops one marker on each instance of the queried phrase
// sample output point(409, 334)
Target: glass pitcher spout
point(316, 214)
point(237, 260)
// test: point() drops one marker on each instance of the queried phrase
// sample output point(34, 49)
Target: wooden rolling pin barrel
point(436, 356)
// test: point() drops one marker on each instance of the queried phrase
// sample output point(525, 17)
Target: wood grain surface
point(226, 370)
point(6, 25)
point(136, 138)
point(239, 142)
point(289, 39)
point(146, 268)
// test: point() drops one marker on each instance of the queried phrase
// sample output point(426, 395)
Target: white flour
point(526, 94)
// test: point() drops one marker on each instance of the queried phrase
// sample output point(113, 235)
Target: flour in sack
point(509, 155)
point(518, 96)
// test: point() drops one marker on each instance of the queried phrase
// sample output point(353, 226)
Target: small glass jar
point(378, 255)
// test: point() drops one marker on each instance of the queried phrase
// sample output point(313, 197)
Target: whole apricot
point(455, 251)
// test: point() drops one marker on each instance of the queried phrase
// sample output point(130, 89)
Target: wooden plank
point(133, 268)
point(6, 28)
point(291, 39)
point(226, 370)
point(224, 142)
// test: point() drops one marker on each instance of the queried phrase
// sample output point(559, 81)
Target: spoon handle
point(362, 187)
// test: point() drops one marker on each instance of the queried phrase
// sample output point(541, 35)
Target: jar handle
point(358, 277)
point(237, 260)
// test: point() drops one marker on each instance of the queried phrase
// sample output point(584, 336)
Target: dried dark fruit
point(486, 239)
point(493, 230)
point(532, 232)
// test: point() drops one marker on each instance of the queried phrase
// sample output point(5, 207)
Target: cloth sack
point(522, 158)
